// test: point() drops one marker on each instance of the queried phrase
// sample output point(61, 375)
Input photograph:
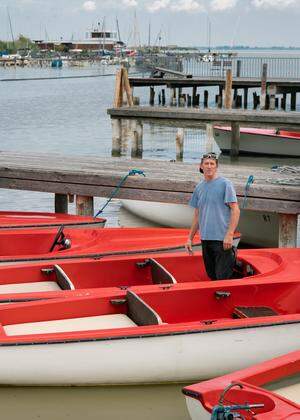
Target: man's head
point(209, 165)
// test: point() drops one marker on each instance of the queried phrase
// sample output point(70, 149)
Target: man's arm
point(233, 222)
point(193, 231)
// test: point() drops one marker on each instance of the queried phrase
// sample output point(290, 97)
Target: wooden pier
point(87, 177)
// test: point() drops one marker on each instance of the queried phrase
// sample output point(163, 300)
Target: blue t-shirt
point(212, 198)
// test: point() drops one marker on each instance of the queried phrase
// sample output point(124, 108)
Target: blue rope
point(221, 412)
point(115, 191)
point(247, 187)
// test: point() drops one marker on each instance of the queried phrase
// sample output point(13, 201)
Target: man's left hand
point(228, 241)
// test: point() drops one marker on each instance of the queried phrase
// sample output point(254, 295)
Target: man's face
point(209, 167)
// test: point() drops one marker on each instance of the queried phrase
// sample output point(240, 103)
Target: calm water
point(69, 116)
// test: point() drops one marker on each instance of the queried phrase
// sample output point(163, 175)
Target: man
point(216, 216)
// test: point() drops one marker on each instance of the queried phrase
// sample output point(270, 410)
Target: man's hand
point(228, 241)
point(189, 246)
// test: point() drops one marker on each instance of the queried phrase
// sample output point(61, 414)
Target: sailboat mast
point(10, 26)
point(118, 30)
point(149, 34)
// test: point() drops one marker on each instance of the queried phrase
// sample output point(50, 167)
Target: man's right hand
point(189, 246)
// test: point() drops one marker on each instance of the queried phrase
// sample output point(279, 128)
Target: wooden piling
point(189, 100)
point(173, 97)
point(152, 95)
point(205, 98)
point(287, 230)
point(293, 100)
point(235, 139)
point(228, 90)
point(118, 100)
point(263, 86)
point(283, 102)
point(209, 138)
point(137, 140)
point(272, 93)
point(194, 96)
point(179, 144)
point(238, 68)
point(136, 100)
point(245, 98)
point(163, 97)
point(61, 203)
point(84, 205)
point(116, 136)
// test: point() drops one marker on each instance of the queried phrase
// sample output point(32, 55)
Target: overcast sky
point(181, 22)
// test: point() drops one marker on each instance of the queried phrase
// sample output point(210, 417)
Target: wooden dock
point(87, 177)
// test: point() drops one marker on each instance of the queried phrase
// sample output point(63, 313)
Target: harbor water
point(68, 116)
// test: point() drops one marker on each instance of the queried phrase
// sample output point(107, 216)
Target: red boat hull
point(26, 220)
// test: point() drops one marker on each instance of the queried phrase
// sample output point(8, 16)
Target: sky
point(181, 22)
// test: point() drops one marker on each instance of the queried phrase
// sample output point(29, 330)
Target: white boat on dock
point(260, 141)
point(180, 215)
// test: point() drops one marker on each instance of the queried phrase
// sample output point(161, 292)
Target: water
point(69, 116)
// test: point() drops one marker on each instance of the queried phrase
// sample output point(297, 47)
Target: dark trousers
point(218, 263)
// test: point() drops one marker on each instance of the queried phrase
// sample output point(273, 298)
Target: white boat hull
point(196, 409)
point(155, 359)
point(257, 228)
point(259, 143)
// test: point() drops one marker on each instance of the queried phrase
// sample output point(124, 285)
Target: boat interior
point(194, 306)
point(125, 272)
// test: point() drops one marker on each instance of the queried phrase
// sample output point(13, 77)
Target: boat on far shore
point(260, 141)
point(267, 391)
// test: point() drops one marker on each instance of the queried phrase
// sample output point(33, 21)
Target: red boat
point(26, 220)
point(260, 141)
point(42, 280)
point(162, 333)
point(266, 391)
point(48, 244)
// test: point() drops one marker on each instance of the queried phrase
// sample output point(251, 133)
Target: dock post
point(136, 100)
point(209, 137)
point(152, 95)
point(137, 140)
point(205, 98)
point(220, 97)
point(238, 68)
point(235, 139)
point(263, 86)
point(272, 92)
point(179, 144)
point(245, 98)
point(287, 230)
point(163, 97)
point(283, 102)
point(194, 96)
point(116, 136)
point(84, 205)
point(61, 203)
point(173, 97)
point(228, 90)
point(293, 100)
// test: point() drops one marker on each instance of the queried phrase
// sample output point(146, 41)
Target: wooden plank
point(264, 118)
point(127, 87)
point(287, 230)
point(179, 197)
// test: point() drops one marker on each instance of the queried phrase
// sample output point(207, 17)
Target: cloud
point(158, 5)
point(221, 5)
point(278, 4)
point(187, 6)
point(89, 6)
point(129, 3)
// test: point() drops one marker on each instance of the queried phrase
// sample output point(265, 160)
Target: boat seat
point(89, 323)
point(160, 275)
point(139, 312)
point(36, 286)
point(62, 279)
point(253, 311)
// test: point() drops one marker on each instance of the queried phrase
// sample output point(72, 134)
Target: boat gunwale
point(9, 342)
point(273, 135)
